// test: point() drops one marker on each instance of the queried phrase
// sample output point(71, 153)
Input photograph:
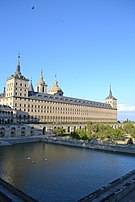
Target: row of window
point(21, 84)
point(17, 89)
point(60, 110)
point(10, 84)
point(60, 118)
point(6, 121)
point(17, 84)
point(9, 94)
point(63, 112)
point(19, 94)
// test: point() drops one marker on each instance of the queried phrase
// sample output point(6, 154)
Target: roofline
point(68, 100)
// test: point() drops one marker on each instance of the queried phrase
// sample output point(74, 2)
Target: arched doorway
point(13, 132)
point(23, 131)
point(32, 131)
point(44, 130)
point(8, 121)
point(68, 129)
point(2, 132)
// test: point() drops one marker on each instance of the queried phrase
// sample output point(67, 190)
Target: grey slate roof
point(67, 100)
point(111, 96)
point(31, 87)
point(2, 95)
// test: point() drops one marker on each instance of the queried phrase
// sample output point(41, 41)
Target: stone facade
point(7, 115)
point(28, 130)
point(53, 107)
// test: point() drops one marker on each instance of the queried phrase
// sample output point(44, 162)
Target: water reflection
point(60, 173)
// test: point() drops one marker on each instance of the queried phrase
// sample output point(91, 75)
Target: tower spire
point(55, 77)
point(18, 65)
point(19, 58)
point(55, 81)
point(31, 86)
point(41, 75)
point(110, 93)
point(41, 80)
point(41, 85)
point(111, 100)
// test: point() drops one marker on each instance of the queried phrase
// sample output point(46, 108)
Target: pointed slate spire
point(41, 80)
point(41, 86)
point(110, 93)
point(41, 74)
point(31, 86)
point(55, 81)
point(4, 90)
point(18, 66)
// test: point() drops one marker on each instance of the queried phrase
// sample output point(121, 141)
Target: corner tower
point(111, 100)
point(17, 84)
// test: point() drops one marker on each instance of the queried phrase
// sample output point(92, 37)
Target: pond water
point(55, 173)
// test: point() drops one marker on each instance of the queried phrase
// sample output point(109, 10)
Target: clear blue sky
point(88, 44)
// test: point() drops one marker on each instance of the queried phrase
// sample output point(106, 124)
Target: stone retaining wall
point(69, 142)
point(19, 140)
point(8, 188)
point(91, 145)
point(114, 191)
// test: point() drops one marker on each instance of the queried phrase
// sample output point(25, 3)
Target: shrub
point(130, 141)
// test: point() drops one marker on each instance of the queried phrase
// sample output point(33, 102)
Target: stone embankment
point(69, 142)
point(9, 193)
point(18, 140)
point(92, 145)
point(114, 191)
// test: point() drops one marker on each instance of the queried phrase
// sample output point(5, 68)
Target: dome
point(55, 89)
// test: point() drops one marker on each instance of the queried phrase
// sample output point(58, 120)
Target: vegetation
point(104, 132)
point(81, 134)
point(59, 130)
point(130, 141)
point(129, 128)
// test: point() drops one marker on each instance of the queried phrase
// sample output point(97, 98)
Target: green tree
point(89, 127)
point(59, 130)
point(130, 141)
point(128, 126)
point(132, 132)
